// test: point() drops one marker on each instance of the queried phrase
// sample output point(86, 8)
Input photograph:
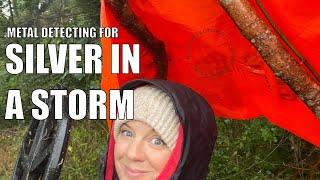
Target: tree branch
point(11, 13)
point(126, 17)
point(274, 54)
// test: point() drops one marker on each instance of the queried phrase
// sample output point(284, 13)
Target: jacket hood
point(198, 125)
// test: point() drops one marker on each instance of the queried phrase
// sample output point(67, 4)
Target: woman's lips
point(134, 172)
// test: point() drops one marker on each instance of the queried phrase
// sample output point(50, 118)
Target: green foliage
point(257, 150)
point(44, 13)
point(88, 141)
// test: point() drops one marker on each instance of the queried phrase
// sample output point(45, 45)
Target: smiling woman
point(139, 152)
point(143, 146)
point(169, 137)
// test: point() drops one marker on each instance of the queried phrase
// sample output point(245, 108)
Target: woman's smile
point(131, 172)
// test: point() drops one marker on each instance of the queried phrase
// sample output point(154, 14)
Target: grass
point(10, 139)
point(87, 141)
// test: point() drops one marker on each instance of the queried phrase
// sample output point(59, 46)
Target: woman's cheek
point(158, 158)
point(120, 147)
point(119, 153)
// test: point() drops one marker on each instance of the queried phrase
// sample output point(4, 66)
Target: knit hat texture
point(155, 108)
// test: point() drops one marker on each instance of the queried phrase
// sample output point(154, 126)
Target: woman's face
point(139, 152)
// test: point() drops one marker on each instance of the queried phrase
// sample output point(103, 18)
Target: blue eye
point(157, 142)
point(126, 133)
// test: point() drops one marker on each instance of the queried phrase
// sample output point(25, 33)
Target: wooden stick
point(274, 54)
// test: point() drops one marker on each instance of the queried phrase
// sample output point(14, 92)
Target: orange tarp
point(208, 53)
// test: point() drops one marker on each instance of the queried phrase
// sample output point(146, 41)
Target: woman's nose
point(135, 151)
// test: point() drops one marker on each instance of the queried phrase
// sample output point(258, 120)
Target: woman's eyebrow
point(127, 125)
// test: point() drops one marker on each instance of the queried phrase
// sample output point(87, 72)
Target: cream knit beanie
point(155, 108)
